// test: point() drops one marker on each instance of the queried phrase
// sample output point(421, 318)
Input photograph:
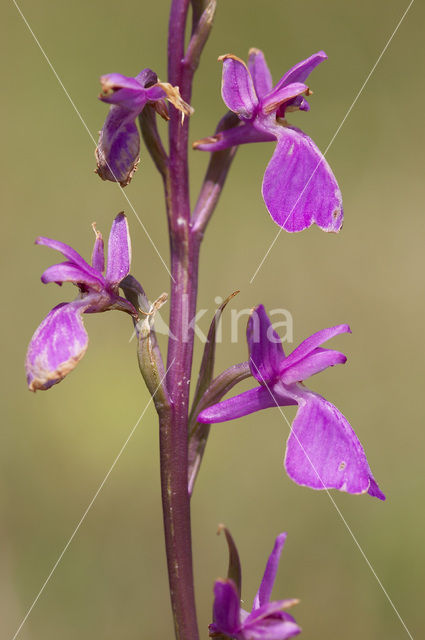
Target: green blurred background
point(56, 447)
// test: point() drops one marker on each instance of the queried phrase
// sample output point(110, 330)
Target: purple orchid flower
point(117, 152)
point(322, 452)
point(61, 340)
point(299, 188)
point(266, 621)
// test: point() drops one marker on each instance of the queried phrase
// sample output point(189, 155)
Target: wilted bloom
point(61, 339)
point(299, 188)
point(322, 451)
point(266, 621)
point(118, 149)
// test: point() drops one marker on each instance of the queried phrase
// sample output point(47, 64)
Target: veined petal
point(265, 346)
point(237, 87)
point(119, 251)
point(118, 149)
point(271, 629)
point(226, 607)
point(265, 591)
point(98, 254)
point(70, 254)
point(260, 72)
point(323, 452)
point(316, 361)
point(70, 272)
point(307, 346)
point(127, 92)
point(301, 71)
point(241, 405)
point(57, 346)
point(281, 95)
point(242, 134)
point(299, 188)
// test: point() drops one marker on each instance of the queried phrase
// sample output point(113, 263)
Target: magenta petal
point(240, 405)
point(308, 345)
point(278, 96)
point(119, 251)
point(98, 254)
point(271, 629)
point(242, 134)
point(301, 71)
point(265, 591)
point(323, 452)
point(299, 188)
point(118, 149)
point(226, 607)
point(260, 72)
point(69, 253)
point(265, 346)
point(70, 272)
point(316, 361)
point(237, 87)
point(57, 346)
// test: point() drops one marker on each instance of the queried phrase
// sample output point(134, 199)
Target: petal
point(265, 591)
point(281, 95)
point(70, 272)
point(57, 346)
point(272, 630)
point(237, 87)
point(241, 405)
point(118, 149)
point(119, 251)
point(226, 607)
point(242, 134)
point(306, 347)
point(98, 254)
point(127, 92)
point(71, 254)
point(316, 361)
point(299, 188)
point(323, 452)
point(301, 71)
point(260, 72)
point(265, 346)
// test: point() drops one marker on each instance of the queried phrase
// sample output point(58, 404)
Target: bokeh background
point(56, 447)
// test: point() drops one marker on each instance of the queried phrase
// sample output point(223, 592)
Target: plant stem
point(184, 249)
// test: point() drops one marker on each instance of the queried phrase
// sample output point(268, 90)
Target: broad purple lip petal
point(237, 87)
point(118, 149)
point(260, 72)
point(299, 188)
point(57, 346)
point(119, 251)
point(264, 344)
point(265, 591)
point(323, 452)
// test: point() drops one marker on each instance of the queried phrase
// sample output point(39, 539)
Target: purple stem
point(184, 247)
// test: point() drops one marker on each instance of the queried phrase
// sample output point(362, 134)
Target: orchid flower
point(61, 340)
point(118, 149)
point(299, 188)
point(266, 621)
point(322, 452)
